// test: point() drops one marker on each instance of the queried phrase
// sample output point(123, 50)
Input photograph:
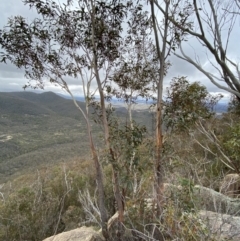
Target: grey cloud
point(179, 68)
point(11, 8)
point(11, 78)
point(9, 70)
point(10, 84)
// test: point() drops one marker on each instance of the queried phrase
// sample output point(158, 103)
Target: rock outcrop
point(79, 234)
point(211, 200)
point(206, 199)
point(230, 186)
point(223, 226)
point(219, 213)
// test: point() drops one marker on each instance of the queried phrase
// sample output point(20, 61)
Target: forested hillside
point(38, 129)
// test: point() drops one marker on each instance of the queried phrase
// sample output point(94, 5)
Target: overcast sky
point(12, 79)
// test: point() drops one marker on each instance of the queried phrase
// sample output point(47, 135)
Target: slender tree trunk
point(99, 175)
point(133, 151)
point(100, 186)
point(159, 172)
point(131, 126)
point(117, 192)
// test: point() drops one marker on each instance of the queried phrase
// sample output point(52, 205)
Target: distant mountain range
point(36, 104)
point(219, 108)
point(26, 102)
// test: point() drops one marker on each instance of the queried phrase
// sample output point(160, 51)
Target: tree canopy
point(186, 103)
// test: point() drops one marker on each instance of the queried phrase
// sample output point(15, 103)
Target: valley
point(44, 129)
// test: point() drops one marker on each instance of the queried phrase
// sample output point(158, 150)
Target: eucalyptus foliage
point(186, 103)
point(58, 44)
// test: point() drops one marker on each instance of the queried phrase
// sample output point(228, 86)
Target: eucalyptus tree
point(186, 103)
point(213, 24)
point(133, 77)
point(136, 68)
point(167, 38)
point(71, 41)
